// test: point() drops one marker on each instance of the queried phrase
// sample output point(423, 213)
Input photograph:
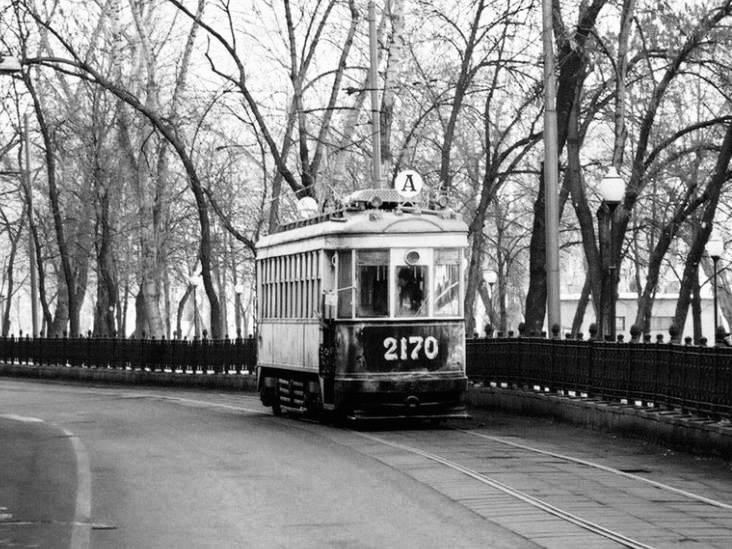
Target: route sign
point(408, 183)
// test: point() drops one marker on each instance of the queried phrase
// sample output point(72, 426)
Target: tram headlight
point(376, 202)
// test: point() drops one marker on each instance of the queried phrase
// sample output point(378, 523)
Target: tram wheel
point(276, 409)
point(276, 404)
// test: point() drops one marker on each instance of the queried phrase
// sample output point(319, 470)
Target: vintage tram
point(360, 311)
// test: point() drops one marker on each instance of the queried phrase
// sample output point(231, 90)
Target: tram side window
point(373, 283)
point(447, 282)
point(345, 285)
point(411, 290)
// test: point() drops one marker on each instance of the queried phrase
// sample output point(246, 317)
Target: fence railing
point(220, 356)
point(691, 378)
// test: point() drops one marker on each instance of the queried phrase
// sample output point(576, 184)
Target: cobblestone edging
point(669, 427)
point(674, 428)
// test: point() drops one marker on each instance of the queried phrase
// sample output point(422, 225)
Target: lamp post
point(238, 290)
point(193, 280)
point(612, 190)
point(715, 248)
point(491, 277)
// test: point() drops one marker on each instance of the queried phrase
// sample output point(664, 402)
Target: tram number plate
point(411, 348)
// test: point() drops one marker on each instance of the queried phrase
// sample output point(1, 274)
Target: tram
point(360, 311)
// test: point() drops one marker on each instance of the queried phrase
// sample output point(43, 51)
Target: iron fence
point(220, 356)
point(690, 378)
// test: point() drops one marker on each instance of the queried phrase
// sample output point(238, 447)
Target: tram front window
point(447, 282)
point(411, 291)
point(373, 283)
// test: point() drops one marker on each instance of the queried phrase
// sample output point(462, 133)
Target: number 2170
point(411, 348)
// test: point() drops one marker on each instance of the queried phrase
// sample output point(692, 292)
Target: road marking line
point(201, 403)
point(24, 419)
point(80, 531)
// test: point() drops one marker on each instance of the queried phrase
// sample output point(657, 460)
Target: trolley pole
point(551, 174)
point(373, 87)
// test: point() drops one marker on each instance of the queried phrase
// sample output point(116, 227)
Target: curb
point(232, 382)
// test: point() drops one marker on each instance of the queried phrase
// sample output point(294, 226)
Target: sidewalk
point(37, 484)
point(680, 430)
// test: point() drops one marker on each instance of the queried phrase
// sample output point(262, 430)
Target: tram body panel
point(290, 345)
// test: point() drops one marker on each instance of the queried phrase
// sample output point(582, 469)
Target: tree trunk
point(107, 297)
point(668, 233)
point(571, 65)
point(576, 186)
point(719, 177)
point(67, 279)
point(579, 313)
point(10, 269)
point(60, 320)
point(474, 279)
point(536, 296)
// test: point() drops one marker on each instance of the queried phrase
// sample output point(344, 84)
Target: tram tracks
point(535, 502)
point(598, 466)
point(623, 508)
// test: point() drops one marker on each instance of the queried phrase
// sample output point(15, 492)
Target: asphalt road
point(175, 472)
point(105, 467)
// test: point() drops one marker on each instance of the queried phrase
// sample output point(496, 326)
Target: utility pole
point(551, 175)
point(373, 87)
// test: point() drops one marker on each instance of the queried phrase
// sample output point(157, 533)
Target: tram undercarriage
point(403, 397)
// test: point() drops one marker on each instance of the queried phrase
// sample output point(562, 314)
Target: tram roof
point(369, 221)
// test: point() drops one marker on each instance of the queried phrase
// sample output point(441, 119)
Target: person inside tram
point(410, 294)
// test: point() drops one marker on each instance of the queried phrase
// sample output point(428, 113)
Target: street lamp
point(612, 190)
point(193, 281)
point(490, 278)
point(715, 248)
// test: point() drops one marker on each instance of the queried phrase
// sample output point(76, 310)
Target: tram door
point(327, 354)
point(327, 360)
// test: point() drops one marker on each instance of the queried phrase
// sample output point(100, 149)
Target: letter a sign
point(408, 183)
